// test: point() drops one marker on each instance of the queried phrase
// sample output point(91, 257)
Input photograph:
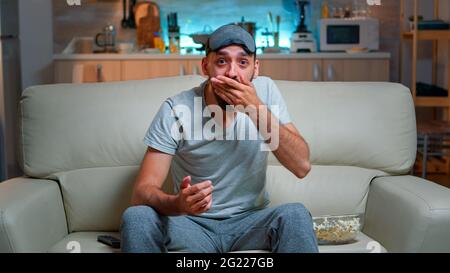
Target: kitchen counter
point(273, 56)
point(77, 63)
point(80, 48)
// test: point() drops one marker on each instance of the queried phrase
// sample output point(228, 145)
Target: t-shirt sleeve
point(276, 99)
point(162, 134)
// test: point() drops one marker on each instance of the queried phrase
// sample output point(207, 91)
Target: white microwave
point(344, 34)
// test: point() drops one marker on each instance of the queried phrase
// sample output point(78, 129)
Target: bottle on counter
point(174, 33)
point(325, 10)
point(347, 12)
point(334, 13)
point(159, 42)
point(174, 46)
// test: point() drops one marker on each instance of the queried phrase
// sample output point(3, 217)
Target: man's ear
point(256, 71)
point(205, 66)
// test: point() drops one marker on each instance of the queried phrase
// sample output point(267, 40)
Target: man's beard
point(221, 102)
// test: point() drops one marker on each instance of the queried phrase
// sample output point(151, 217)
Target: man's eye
point(221, 61)
point(243, 62)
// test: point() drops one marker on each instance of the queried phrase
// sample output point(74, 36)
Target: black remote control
point(109, 240)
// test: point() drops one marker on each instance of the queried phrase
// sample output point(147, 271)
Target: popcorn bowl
point(337, 230)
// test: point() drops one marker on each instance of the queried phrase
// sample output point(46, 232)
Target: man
point(220, 203)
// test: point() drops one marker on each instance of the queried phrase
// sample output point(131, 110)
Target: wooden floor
point(438, 171)
point(441, 179)
point(438, 168)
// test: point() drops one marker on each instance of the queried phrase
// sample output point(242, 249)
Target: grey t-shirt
point(232, 157)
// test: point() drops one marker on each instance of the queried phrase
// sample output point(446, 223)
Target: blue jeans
point(284, 228)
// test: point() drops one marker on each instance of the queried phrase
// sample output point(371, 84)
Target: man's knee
point(141, 230)
point(139, 214)
point(295, 211)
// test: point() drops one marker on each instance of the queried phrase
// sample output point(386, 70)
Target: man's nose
point(232, 71)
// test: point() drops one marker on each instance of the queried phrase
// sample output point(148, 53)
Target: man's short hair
point(230, 35)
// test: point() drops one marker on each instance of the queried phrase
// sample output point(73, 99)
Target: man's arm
point(192, 199)
point(289, 147)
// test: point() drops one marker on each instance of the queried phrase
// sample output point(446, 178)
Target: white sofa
point(81, 146)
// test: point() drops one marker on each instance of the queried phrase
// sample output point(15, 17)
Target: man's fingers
point(225, 97)
point(202, 203)
point(199, 195)
point(186, 182)
point(230, 93)
point(226, 86)
point(204, 207)
point(207, 207)
point(232, 83)
point(193, 189)
point(221, 85)
point(215, 80)
point(243, 79)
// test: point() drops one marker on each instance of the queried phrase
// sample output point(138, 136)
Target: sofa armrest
point(408, 214)
point(32, 216)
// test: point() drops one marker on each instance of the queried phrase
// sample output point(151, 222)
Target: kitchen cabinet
point(147, 69)
point(121, 70)
point(291, 70)
point(195, 67)
point(326, 69)
point(292, 67)
point(87, 71)
point(355, 70)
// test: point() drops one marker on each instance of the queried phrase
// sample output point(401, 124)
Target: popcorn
point(336, 229)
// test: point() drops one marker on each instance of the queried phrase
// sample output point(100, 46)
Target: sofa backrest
point(75, 126)
point(363, 124)
point(88, 137)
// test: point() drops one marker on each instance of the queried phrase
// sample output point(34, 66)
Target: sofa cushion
point(87, 242)
point(75, 126)
point(95, 198)
point(326, 190)
point(366, 124)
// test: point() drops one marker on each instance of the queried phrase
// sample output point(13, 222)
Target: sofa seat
point(88, 244)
